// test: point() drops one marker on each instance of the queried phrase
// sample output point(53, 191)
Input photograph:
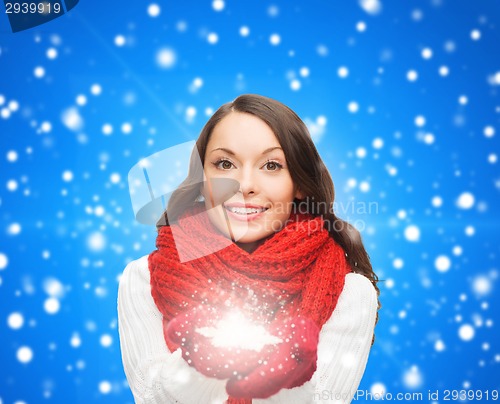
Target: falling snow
point(401, 102)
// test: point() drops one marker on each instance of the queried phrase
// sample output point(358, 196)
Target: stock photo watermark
point(27, 14)
point(427, 396)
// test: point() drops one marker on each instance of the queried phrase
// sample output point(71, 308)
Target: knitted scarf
point(298, 270)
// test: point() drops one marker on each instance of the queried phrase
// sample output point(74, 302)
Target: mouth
point(245, 212)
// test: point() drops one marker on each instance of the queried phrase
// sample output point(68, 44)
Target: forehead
point(241, 130)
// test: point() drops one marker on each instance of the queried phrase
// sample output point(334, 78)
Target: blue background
point(67, 228)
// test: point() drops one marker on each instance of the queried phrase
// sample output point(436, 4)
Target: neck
point(250, 247)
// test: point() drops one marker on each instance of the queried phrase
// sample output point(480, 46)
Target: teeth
point(244, 211)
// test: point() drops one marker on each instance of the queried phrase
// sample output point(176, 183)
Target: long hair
point(306, 168)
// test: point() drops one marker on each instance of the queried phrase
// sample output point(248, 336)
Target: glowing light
point(235, 330)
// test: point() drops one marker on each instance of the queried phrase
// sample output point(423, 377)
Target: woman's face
point(243, 148)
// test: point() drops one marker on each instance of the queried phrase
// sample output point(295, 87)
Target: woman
point(265, 248)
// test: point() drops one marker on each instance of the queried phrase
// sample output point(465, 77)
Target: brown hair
point(307, 170)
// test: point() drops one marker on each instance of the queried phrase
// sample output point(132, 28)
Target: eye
point(273, 166)
point(223, 164)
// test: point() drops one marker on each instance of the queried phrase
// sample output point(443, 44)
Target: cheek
point(281, 189)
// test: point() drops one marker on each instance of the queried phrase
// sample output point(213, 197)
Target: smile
point(244, 213)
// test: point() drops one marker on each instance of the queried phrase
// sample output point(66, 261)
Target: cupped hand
point(199, 351)
point(251, 373)
point(290, 364)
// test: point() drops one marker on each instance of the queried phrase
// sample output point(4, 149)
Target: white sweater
point(157, 376)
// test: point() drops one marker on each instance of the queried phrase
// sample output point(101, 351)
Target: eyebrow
point(233, 153)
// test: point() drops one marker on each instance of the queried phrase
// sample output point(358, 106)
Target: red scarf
point(301, 269)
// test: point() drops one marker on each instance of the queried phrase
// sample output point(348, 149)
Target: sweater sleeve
point(345, 342)
point(154, 374)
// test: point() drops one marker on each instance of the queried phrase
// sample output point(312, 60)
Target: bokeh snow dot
point(398, 263)
point(107, 129)
point(105, 387)
point(481, 285)
point(115, 178)
point(126, 128)
point(489, 131)
point(96, 89)
point(439, 346)
point(154, 10)
point(429, 138)
point(14, 229)
point(12, 156)
point(275, 39)
point(244, 31)
point(412, 75)
point(53, 287)
point(378, 389)
point(15, 320)
point(475, 34)
point(361, 152)
point(437, 201)
point(470, 230)
point(364, 186)
point(444, 71)
point(295, 85)
point(212, 38)
point(353, 107)
point(372, 7)
point(377, 143)
point(412, 233)
point(465, 200)
point(427, 53)
point(166, 58)
point(412, 378)
point(343, 72)
point(39, 72)
point(24, 354)
point(51, 305)
point(4, 261)
point(106, 340)
point(96, 241)
point(419, 121)
point(218, 5)
point(466, 332)
point(75, 340)
point(72, 119)
point(442, 263)
point(119, 40)
point(51, 53)
point(67, 176)
point(361, 26)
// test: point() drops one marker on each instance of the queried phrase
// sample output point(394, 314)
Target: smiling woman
point(298, 280)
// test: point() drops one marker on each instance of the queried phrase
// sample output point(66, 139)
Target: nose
point(248, 182)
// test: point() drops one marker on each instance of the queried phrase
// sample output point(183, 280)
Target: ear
point(299, 194)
